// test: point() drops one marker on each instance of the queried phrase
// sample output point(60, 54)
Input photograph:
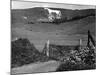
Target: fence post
point(80, 43)
point(47, 52)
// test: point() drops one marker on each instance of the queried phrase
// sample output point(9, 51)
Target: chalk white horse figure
point(52, 17)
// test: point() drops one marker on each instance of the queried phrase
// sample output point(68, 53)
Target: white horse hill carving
point(51, 17)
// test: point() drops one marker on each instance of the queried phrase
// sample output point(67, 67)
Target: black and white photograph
point(52, 37)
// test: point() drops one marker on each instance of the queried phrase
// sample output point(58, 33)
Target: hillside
point(33, 14)
point(23, 52)
point(66, 33)
point(29, 40)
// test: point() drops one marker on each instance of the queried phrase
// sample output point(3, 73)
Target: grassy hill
point(23, 52)
point(66, 33)
point(63, 36)
point(35, 13)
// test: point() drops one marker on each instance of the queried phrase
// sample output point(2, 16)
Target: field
point(64, 38)
point(63, 34)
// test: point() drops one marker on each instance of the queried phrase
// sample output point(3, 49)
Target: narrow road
point(40, 67)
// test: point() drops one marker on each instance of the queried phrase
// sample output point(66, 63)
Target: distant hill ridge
point(33, 14)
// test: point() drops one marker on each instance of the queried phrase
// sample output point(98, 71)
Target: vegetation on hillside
point(33, 14)
point(81, 59)
point(71, 57)
point(23, 52)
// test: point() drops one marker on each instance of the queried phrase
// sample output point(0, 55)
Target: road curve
point(40, 67)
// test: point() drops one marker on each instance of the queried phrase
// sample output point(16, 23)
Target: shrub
point(23, 52)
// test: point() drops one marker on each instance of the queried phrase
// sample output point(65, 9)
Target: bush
point(23, 52)
point(69, 66)
point(82, 59)
point(72, 57)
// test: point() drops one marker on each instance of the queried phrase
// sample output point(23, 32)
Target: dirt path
point(49, 66)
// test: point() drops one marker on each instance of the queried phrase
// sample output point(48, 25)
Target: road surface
point(40, 67)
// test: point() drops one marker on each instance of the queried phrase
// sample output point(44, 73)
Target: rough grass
point(68, 66)
point(71, 57)
point(23, 52)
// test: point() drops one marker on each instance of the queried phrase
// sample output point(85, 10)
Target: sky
point(28, 4)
